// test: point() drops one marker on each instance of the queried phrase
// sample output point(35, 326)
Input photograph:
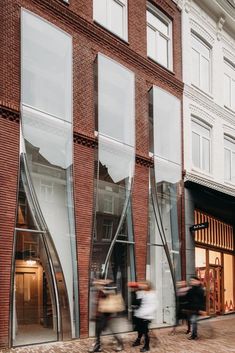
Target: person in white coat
point(145, 313)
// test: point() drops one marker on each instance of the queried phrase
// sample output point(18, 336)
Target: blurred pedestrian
point(181, 305)
point(196, 303)
point(145, 313)
point(108, 303)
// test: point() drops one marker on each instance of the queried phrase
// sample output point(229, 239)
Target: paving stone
point(215, 335)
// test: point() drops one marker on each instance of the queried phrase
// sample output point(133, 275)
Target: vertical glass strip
point(164, 266)
point(113, 252)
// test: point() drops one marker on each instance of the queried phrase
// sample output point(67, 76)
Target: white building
point(208, 45)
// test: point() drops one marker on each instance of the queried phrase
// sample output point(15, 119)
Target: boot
point(136, 343)
point(144, 349)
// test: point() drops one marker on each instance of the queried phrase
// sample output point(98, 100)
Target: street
point(215, 335)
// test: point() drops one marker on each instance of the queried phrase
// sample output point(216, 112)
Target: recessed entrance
point(34, 314)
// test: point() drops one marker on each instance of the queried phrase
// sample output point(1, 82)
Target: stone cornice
point(209, 183)
point(209, 104)
point(9, 114)
point(109, 41)
point(85, 140)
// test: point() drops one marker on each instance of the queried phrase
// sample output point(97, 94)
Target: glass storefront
point(113, 242)
point(216, 271)
point(163, 263)
point(45, 298)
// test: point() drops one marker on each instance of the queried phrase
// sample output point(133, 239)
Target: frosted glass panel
point(117, 158)
point(167, 126)
point(166, 171)
point(46, 67)
point(116, 18)
point(116, 101)
point(151, 42)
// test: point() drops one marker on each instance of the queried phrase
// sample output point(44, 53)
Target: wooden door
point(27, 297)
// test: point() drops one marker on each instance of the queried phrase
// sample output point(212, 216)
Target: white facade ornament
point(220, 25)
point(187, 6)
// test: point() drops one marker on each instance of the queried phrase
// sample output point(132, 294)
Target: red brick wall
point(84, 192)
point(140, 218)
point(9, 164)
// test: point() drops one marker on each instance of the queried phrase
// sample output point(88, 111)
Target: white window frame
point(167, 21)
point(231, 140)
point(107, 224)
point(229, 71)
point(207, 46)
point(201, 136)
point(107, 23)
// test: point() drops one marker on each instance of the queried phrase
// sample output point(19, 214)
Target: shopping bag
point(112, 303)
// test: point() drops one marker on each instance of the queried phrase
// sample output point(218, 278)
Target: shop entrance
point(215, 269)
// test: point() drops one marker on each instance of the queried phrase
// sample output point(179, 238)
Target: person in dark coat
point(196, 304)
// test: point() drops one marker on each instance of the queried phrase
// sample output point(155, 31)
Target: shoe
point(95, 348)
point(144, 349)
point(119, 349)
point(136, 343)
point(192, 337)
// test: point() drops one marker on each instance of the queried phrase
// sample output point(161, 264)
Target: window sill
point(98, 24)
point(206, 94)
point(164, 67)
point(202, 173)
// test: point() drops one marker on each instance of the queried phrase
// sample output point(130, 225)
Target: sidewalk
point(216, 335)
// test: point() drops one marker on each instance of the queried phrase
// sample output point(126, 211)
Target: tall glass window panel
point(116, 114)
point(46, 67)
point(229, 84)
point(201, 63)
point(167, 126)
point(159, 36)
point(201, 145)
point(163, 265)
point(47, 131)
point(229, 159)
point(113, 250)
point(112, 14)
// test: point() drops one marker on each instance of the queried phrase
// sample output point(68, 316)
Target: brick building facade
point(88, 39)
